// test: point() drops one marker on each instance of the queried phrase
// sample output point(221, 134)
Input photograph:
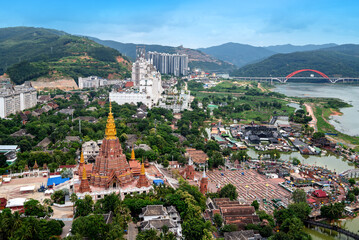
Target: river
point(348, 122)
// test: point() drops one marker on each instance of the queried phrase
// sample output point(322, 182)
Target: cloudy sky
point(194, 24)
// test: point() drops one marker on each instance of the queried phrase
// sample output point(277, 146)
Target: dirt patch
point(335, 113)
point(63, 84)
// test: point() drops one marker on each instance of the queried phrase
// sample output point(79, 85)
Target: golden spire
point(133, 155)
point(110, 131)
point(82, 160)
point(84, 174)
point(143, 171)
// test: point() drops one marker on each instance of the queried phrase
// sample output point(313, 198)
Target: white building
point(14, 99)
point(147, 86)
point(92, 82)
point(90, 150)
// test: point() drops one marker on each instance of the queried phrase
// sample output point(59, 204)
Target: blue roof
point(56, 180)
point(158, 181)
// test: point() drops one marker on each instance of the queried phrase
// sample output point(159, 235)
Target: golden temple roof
point(110, 131)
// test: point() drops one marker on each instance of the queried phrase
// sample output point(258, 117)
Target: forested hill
point(342, 60)
point(27, 53)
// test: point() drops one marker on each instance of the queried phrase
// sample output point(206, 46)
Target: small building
point(319, 194)
point(242, 235)
point(16, 204)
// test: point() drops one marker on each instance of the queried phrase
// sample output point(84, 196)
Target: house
point(44, 143)
point(174, 164)
point(157, 216)
point(128, 84)
point(87, 119)
point(72, 139)
point(68, 111)
point(16, 204)
point(319, 194)
point(198, 157)
point(43, 98)
point(242, 235)
point(142, 146)
point(22, 133)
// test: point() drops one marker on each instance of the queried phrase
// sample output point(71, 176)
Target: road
point(312, 123)
point(132, 231)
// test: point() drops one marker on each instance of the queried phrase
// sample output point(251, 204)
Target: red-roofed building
point(3, 202)
point(319, 194)
point(129, 84)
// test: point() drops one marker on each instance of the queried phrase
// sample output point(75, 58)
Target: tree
point(296, 161)
point(352, 181)
point(255, 204)
point(229, 191)
point(58, 197)
point(92, 227)
point(318, 135)
point(148, 234)
point(332, 211)
point(3, 161)
point(84, 206)
point(301, 210)
point(67, 173)
point(218, 220)
point(34, 208)
point(299, 195)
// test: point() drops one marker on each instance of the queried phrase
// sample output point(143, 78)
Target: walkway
point(334, 228)
point(132, 231)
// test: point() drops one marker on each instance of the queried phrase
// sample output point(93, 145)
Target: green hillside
point(28, 53)
point(342, 60)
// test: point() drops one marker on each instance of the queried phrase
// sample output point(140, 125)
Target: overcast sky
point(193, 23)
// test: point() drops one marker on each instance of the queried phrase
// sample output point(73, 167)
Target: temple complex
point(111, 168)
point(111, 172)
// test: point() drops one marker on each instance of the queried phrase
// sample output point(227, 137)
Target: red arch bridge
point(285, 79)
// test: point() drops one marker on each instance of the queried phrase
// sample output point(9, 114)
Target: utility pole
point(80, 126)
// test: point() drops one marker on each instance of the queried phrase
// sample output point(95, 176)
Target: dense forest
point(29, 53)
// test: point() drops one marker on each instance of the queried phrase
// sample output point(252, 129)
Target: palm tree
point(73, 199)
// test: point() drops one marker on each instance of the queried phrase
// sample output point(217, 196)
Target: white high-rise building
point(176, 64)
point(14, 99)
point(147, 85)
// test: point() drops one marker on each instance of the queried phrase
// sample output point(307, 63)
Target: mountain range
point(243, 54)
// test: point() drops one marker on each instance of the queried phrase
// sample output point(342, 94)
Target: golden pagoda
point(135, 166)
point(110, 131)
point(143, 181)
point(84, 185)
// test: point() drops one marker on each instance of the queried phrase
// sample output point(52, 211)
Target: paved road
point(132, 231)
point(66, 228)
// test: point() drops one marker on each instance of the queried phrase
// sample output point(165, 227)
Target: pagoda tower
point(204, 183)
point(143, 181)
point(135, 166)
point(35, 166)
point(82, 164)
point(111, 168)
point(84, 185)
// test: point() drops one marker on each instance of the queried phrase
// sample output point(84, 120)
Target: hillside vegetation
point(341, 60)
point(29, 53)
